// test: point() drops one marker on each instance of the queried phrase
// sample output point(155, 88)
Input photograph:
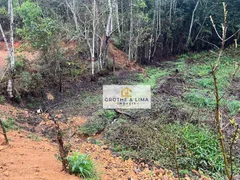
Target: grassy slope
point(181, 118)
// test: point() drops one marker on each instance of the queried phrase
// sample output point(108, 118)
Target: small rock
point(59, 116)
point(105, 147)
point(6, 173)
point(137, 170)
point(165, 177)
point(4, 164)
point(1, 148)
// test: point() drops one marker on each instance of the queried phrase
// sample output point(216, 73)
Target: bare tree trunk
point(191, 25)
point(158, 30)
point(131, 33)
point(72, 7)
point(10, 49)
point(9, 7)
point(117, 17)
point(93, 36)
point(150, 48)
point(109, 27)
point(170, 11)
point(4, 132)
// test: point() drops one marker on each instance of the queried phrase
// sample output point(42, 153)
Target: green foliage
point(196, 147)
point(4, 19)
point(200, 99)
point(97, 122)
point(34, 137)
point(202, 150)
point(2, 99)
point(37, 30)
point(9, 124)
point(110, 114)
point(26, 81)
point(82, 165)
point(153, 74)
point(233, 106)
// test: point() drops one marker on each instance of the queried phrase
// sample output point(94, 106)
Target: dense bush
point(27, 81)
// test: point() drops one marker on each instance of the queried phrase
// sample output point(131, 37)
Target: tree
point(10, 49)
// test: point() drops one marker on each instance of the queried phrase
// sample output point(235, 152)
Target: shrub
point(9, 124)
point(82, 165)
point(2, 99)
point(97, 122)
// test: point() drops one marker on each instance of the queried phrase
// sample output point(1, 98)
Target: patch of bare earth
point(35, 160)
point(4, 54)
point(27, 159)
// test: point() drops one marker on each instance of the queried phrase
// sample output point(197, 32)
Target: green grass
point(233, 106)
point(153, 74)
point(197, 146)
point(34, 137)
point(82, 165)
point(200, 98)
point(97, 122)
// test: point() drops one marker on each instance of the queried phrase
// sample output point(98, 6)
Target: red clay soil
point(121, 59)
point(4, 54)
point(26, 159)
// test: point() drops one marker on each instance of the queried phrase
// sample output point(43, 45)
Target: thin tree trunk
point(11, 49)
point(93, 36)
point(4, 132)
point(159, 26)
point(191, 25)
point(131, 33)
point(72, 8)
point(117, 17)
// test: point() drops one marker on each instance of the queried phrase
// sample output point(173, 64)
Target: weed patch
point(153, 74)
point(197, 147)
point(82, 165)
point(97, 122)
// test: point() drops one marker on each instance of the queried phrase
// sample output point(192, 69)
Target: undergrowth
point(97, 122)
point(153, 74)
point(197, 146)
point(10, 124)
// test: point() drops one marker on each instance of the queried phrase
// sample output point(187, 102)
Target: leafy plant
point(2, 99)
point(202, 149)
point(109, 114)
point(82, 165)
point(9, 124)
point(199, 99)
